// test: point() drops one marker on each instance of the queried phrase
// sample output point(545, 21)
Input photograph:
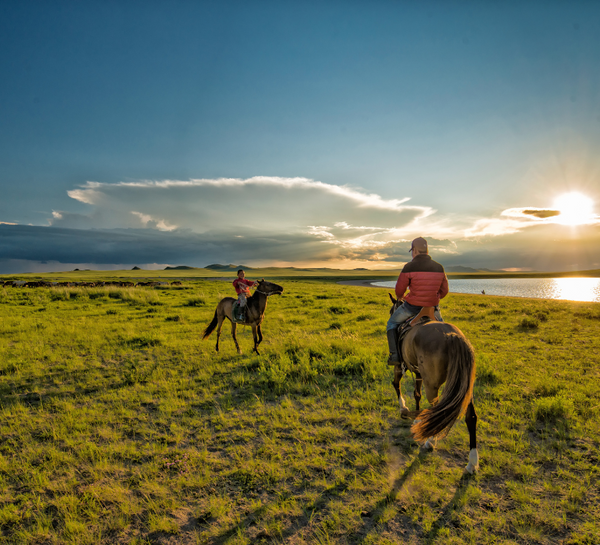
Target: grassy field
point(118, 425)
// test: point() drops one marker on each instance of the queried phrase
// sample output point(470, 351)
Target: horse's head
point(268, 288)
point(395, 303)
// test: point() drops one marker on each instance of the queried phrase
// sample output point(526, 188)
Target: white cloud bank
point(283, 221)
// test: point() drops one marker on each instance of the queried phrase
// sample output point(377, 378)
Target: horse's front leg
point(233, 334)
point(259, 331)
point(471, 421)
point(396, 382)
point(255, 332)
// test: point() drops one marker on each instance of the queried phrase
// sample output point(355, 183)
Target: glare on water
point(576, 289)
point(570, 289)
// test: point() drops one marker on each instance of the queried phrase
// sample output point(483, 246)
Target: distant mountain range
point(232, 267)
point(214, 267)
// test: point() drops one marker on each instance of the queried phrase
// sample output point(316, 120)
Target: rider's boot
point(392, 337)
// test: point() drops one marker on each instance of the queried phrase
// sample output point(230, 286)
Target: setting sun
point(574, 208)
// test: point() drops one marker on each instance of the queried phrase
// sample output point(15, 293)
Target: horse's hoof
point(404, 414)
point(427, 446)
point(471, 469)
point(473, 464)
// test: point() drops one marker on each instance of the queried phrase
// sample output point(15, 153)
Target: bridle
point(265, 293)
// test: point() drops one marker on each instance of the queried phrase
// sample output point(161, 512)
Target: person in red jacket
point(427, 283)
point(242, 288)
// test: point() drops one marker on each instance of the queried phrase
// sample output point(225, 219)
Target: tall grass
point(118, 425)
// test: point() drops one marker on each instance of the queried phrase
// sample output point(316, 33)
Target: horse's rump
point(448, 357)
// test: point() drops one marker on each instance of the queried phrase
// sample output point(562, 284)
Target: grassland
point(118, 425)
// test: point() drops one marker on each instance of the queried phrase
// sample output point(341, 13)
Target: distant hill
point(230, 267)
point(179, 268)
point(461, 269)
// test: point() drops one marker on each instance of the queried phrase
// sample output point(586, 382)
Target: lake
point(570, 289)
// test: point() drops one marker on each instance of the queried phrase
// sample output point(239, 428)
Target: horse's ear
point(392, 298)
point(262, 279)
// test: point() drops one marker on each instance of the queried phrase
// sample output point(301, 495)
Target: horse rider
point(427, 282)
point(242, 288)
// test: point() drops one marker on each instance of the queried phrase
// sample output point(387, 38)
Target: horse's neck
point(258, 301)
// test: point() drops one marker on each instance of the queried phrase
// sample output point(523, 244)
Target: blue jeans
point(406, 311)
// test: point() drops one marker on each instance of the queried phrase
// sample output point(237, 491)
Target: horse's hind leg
point(219, 326)
point(418, 384)
point(431, 392)
point(471, 421)
point(396, 382)
point(233, 334)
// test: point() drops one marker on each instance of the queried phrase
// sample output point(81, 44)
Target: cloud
point(134, 246)
point(542, 213)
point(279, 221)
point(515, 220)
point(283, 210)
point(494, 227)
point(95, 192)
point(260, 202)
point(532, 216)
point(530, 213)
point(152, 223)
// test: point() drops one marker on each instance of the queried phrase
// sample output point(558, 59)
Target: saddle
point(426, 314)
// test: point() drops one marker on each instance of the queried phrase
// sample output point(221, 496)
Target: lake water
point(570, 289)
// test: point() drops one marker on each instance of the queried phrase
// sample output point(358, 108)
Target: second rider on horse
point(242, 288)
point(427, 282)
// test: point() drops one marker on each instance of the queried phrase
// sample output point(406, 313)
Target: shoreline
point(363, 283)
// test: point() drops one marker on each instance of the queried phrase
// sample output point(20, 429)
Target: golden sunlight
point(574, 208)
point(576, 289)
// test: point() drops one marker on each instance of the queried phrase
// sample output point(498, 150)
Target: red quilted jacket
point(426, 281)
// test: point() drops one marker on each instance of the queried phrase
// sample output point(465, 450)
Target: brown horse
point(438, 353)
point(255, 312)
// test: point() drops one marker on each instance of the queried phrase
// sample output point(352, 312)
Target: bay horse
point(255, 312)
point(438, 353)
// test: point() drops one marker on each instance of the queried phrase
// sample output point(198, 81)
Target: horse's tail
point(211, 327)
point(458, 392)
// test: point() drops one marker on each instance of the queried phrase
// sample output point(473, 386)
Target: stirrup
point(425, 312)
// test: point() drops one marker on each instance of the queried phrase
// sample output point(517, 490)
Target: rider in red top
point(242, 287)
point(427, 282)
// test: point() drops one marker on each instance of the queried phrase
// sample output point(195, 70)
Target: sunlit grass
point(118, 425)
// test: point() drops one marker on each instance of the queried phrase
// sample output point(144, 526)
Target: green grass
point(119, 425)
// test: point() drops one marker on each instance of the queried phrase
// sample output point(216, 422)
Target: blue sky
point(298, 133)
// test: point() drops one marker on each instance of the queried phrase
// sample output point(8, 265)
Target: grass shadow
point(372, 518)
point(456, 500)
point(294, 524)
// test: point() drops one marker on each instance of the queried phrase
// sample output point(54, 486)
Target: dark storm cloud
point(114, 246)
